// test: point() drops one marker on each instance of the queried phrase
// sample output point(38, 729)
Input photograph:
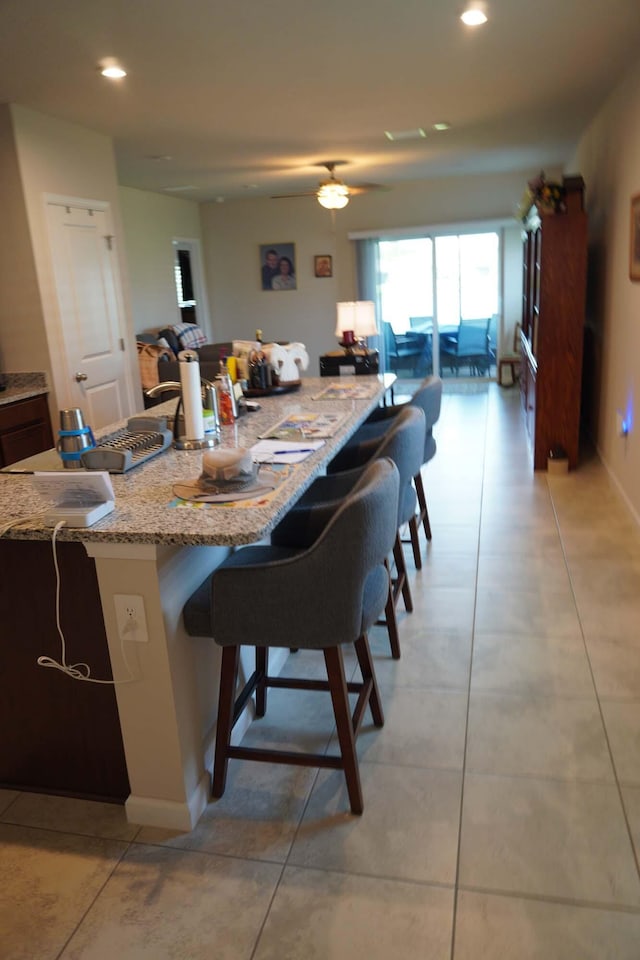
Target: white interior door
point(86, 276)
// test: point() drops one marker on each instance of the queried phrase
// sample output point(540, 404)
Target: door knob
point(80, 377)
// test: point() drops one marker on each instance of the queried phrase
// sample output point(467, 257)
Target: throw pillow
point(189, 335)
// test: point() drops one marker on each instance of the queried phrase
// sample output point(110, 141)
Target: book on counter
point(311, 426)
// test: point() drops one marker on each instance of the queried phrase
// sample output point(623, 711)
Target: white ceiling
point(246, 98)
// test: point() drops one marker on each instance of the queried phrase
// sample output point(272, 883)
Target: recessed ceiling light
point(109, 67)
point(158, 157)
point(179, 189)
point(416, 134)
point(474, 15)
point(442, 126)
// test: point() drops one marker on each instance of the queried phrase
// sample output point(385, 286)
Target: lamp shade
point(356, 315)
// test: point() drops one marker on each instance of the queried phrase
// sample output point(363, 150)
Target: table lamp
point(356, 320)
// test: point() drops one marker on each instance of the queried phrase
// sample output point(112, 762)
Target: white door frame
point(192, 244)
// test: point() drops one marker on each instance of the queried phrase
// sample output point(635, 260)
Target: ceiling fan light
point(333, 195)
point(474, 15)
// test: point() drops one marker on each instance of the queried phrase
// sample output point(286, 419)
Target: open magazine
point(312, 426)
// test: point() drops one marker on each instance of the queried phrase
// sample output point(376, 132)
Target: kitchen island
point(160, 549)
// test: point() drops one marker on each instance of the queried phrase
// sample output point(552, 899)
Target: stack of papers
point(284, 451)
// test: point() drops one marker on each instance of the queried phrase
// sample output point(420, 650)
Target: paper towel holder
point(183, 443)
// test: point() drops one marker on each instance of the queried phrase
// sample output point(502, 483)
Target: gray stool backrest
point(428, 397)
point(315, 598)
point(404, 444)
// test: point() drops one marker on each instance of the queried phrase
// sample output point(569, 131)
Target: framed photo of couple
point(278, 266)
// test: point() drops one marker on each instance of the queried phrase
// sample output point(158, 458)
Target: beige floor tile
point(167, 903)
point(528, 665)
point(509, 513)
point(441, 660)
point(622, 723)
point(6, 799)
point(49, 881)
point(524, 573)
point(451, 537)
point(408, 831)
point(516, 540)
point(617, 580)
point(68, 815)
point(317, 915)
point(618, 617)
point(631, 800)
point(615, 664)
point(542, 613)
point(526, 736)
point(547, 838)
point(508, 928)
point(256, 817)
point(423, 728)
point(446, 570)
point(442, 608)
point(604, 542)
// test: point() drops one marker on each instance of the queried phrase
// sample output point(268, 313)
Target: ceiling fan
point(333, 194)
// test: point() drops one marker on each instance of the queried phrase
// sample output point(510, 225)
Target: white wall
point(608, 157)
point(23, 343)
point(151, 221)
point(234, 231)
point(59, 158)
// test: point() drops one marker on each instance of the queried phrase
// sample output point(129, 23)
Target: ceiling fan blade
point(292, 196)
point(367, 188)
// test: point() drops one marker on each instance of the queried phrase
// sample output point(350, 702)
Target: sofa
point(157, 357)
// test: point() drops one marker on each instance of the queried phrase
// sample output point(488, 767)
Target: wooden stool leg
point(422, 500)
point(415, 542)
point(262, 662)
point(366, 669)
point(344, 726)
point(226, 701)
point(390, 619)
point(401, 570)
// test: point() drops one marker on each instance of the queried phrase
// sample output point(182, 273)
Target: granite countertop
point(143, 496)
point(22, 386)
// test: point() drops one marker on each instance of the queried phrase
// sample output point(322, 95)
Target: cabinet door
point(25, 442)
point(25, 429)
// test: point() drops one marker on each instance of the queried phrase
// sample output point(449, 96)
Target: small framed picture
point(278, 266)
point(634, 239)
point(322, 265)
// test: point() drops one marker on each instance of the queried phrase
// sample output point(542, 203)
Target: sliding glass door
point(439, 302)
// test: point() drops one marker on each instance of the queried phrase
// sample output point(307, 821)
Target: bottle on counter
point(224, 389)
point(210, 416)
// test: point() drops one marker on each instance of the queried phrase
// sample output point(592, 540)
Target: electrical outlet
point(132, 622)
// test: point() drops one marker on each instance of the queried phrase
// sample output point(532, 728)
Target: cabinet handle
point(80, 377)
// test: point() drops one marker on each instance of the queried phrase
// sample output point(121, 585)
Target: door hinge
point(109, 239)
point(121, 343)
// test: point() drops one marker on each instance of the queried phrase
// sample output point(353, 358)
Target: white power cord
point(77, 671)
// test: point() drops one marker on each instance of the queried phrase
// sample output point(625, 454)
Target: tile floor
point(502, 797)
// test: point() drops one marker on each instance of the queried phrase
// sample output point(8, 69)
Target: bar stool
point(428, 397)
point(318, 598)
point(403, 443)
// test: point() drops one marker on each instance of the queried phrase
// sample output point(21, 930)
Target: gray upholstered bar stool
point(403, 443)
point(318, 598)
point(428, 397)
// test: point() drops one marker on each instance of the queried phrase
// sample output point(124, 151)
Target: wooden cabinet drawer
point(25, 429)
